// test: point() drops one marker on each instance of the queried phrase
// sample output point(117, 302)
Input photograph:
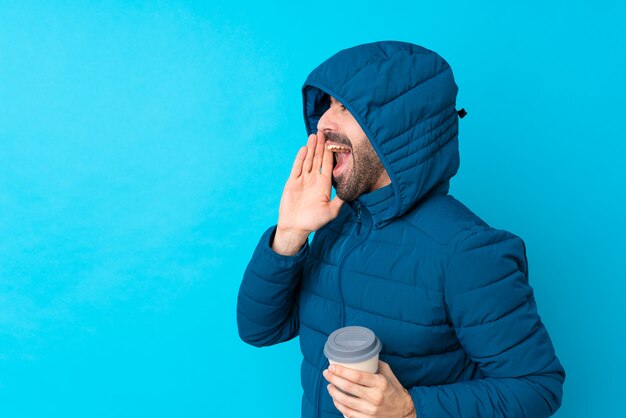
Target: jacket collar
point(379, 203)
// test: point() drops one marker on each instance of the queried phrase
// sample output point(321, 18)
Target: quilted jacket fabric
point(447, 294)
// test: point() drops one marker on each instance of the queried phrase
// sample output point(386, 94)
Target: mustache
point(338, 138)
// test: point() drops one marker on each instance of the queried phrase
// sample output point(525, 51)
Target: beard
point(366, 169)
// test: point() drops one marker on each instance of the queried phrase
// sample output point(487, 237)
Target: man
point(447, 295)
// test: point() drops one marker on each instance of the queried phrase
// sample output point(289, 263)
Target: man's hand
point(375, 395)
point(305, 205)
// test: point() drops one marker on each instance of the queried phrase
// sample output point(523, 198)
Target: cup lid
point(352, 345)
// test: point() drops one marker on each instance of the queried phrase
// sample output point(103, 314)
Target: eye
point(335, 101)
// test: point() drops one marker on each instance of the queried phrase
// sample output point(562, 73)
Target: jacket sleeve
point(267, 309)
point(492, 308)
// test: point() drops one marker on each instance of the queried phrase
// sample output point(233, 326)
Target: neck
point(382, 181)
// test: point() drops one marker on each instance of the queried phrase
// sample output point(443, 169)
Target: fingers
point(369, 380)
point(348, 405)
point(319, 152)
point(315, 158)
point(296, 170)
point(385, 370)
point(310, 153)
point(327, 162)
point(346, 385)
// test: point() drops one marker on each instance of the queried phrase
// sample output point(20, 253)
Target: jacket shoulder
point(443, 218)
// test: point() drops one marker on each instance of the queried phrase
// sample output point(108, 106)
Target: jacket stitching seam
point(434, 115)
point(503, 316)
point(411, 285)
point(247, 294)
point(505, 277)
point(428, 155)
point(437, 325)
point(443, 128)
point(421, 82)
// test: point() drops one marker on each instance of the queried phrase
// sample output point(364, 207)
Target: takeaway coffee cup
point(354, 347)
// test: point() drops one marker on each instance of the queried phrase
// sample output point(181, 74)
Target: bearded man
point(447, 295)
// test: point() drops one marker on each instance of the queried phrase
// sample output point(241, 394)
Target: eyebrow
point(332, 100)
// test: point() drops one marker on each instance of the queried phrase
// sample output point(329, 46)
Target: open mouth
point(341, 155)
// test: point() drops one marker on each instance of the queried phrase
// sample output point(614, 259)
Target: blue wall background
point(143, 150)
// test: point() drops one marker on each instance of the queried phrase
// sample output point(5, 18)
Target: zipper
point(359, 225)
point(358, 228)
point(358, 218)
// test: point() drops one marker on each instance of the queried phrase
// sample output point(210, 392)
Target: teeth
point(338, 148)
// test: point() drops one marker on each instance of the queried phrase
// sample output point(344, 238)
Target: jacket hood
point(403, 96)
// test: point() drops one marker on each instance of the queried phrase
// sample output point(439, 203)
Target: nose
point(327, 122)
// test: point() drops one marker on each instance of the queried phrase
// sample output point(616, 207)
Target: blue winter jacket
point(447, 294)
